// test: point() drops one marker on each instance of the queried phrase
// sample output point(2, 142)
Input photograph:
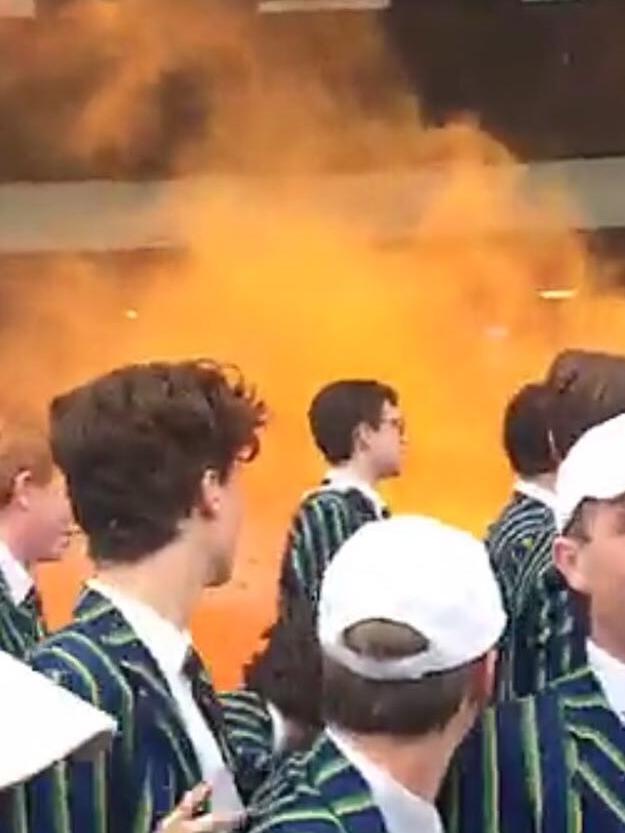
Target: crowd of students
point(415, 680)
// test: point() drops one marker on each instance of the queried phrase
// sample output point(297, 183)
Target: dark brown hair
point(589, 389)
point(403, 708)
point(134, 445)
point(339, 408)
point(528, 430)
point(287, 672)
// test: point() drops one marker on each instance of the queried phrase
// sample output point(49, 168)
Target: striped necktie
point(206, 700)
point(32, 605)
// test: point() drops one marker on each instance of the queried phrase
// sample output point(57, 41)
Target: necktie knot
point(32, 607)
point(32, 603)
point(192, 667)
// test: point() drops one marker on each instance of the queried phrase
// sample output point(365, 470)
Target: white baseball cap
point(41, 723)
point(593, 468)
point(414, 571)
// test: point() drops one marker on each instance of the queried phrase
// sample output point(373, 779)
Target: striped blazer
point(152, 762)
point(554, 763)
point(21, 627)
point(545, 637)
point(248, 723)
point(316, 792)
point(324, 521)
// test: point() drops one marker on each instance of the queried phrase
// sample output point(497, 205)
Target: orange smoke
point(301, 277)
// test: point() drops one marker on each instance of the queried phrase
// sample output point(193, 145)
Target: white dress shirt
point(610, 672)
point(280, 735)
point(343, 480)
point(402, 810)
point(169, 646)
point(537, 492)
point(17, 577)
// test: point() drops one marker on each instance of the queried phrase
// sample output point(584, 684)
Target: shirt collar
point(167, 643)
point(610, 672)
point(401, 809)
point(278, 727)
point(343, 480)
point(535, 491)
point(17, 577)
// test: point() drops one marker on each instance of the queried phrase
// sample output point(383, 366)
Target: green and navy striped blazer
point(21, 627)
point(545, 637)
point(248, 723)
point(152, 762)
point(324, 521)
point(553, 763)
point(316, 792)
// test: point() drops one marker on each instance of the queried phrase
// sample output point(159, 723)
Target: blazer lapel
point(599, 743)
point(23, 628)
point(154, 703)
point(344, 789)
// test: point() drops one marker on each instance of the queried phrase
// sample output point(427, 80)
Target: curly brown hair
point(135, 443)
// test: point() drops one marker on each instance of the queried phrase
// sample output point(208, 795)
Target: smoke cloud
point(300, 266)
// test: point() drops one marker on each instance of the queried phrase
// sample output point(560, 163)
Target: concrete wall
point(547, 78)
point(100, 216)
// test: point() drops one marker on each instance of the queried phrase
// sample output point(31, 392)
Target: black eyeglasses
point(395, 422)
